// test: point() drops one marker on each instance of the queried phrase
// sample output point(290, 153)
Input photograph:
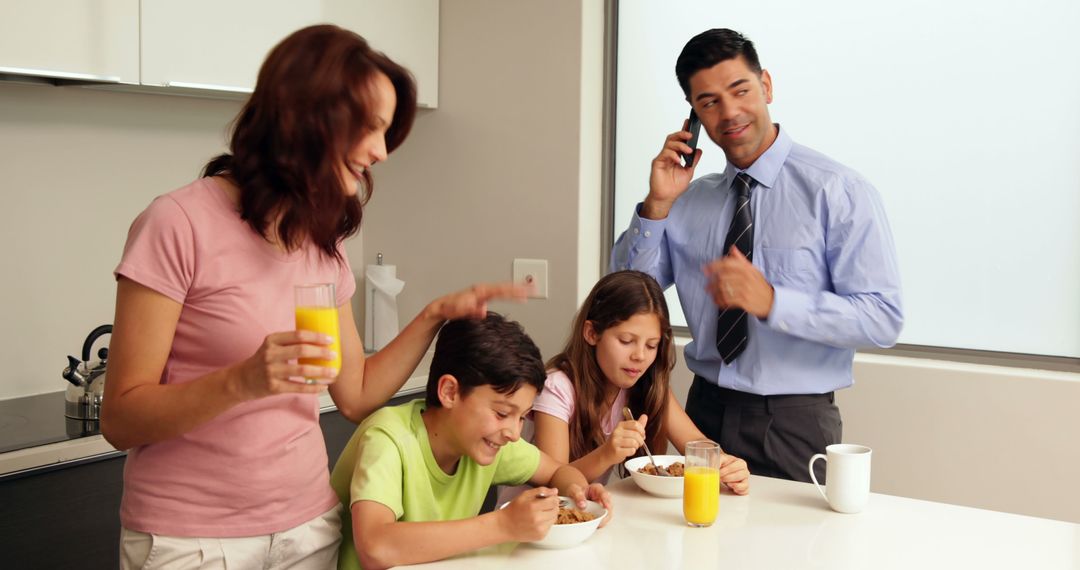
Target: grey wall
point(77, 166)
point(492, 174)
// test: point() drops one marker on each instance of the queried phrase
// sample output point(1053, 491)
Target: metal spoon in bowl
point(563, 502)
point(660, 470)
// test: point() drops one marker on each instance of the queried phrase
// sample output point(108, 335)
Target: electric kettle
point(82, 400)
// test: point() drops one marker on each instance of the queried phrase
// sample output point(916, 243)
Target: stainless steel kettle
point(82, 400)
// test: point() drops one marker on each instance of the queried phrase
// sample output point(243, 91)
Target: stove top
point(31, 421)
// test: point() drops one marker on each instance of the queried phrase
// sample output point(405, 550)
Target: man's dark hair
point(710, 48)
point(492, 351)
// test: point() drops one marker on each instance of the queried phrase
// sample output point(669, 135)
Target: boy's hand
point(625, 439)
point(531, 514)
point(735, 474)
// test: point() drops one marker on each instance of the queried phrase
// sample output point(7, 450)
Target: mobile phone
point(694, 126)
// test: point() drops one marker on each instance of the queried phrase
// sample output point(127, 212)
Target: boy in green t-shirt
point(413, 477)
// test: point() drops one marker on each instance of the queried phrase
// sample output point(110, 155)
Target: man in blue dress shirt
point(819, 277)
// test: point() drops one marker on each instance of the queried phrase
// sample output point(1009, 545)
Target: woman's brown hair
point(614, 299)
point(312, 104)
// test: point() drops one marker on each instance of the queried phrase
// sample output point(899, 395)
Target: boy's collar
point(436, 427)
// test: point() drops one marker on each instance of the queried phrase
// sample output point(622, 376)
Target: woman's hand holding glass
point(274, 368)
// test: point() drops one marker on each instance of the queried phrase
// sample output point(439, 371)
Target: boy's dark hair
point(710, 48)
point(492, 351)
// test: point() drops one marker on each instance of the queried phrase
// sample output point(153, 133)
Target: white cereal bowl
point(656, 484)
point(567, 535)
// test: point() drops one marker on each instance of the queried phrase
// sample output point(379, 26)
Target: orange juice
point(323, 320)
point(701, 495)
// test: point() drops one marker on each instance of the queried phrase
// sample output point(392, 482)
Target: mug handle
point(814, 477)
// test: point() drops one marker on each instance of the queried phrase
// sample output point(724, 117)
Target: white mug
point(847, 476)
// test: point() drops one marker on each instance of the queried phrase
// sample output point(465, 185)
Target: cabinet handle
point(49, 74)
point(209, 87)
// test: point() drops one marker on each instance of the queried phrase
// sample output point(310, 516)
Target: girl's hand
point(597, 493)
point(269, 370)
point(734, 474)
point(625, 440)
point(594, 492)
point(529, 516)
point(472, 303)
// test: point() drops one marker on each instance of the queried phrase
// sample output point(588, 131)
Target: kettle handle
point(94, 335)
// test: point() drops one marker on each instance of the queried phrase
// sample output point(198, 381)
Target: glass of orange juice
point(316, 311)
point(701, 483)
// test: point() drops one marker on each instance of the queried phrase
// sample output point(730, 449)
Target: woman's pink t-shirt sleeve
point(557, 398)
point(160, 250)
point(346, 284)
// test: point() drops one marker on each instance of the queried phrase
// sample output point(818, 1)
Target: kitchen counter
point(37, 426)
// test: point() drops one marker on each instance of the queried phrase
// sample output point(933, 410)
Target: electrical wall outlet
point(532, 272)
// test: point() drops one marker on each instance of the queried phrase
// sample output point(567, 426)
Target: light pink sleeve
point(346, 284)
point(557, 399)
point(160, 250)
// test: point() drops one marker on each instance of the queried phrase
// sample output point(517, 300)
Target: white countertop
point(93, 446)
point(787, 525)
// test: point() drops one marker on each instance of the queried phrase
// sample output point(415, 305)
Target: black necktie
point(731, 328)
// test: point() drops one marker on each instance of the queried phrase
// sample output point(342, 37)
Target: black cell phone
point(694, 127)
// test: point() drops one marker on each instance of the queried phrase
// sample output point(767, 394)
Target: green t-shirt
point(388, 460)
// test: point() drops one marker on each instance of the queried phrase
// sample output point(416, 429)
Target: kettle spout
point(72, 374)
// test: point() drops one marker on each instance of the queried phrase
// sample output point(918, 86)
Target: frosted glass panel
point(965, 115)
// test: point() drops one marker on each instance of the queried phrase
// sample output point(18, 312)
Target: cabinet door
point(64, 518)
point(215, 45)
point(405, 30)
point(95, 40)
point(219, 46)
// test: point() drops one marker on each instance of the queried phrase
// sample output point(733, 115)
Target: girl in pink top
point(226, 461)
point(620, 353)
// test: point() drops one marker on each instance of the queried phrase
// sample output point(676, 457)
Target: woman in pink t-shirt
point(226, 462)
point(620, 354)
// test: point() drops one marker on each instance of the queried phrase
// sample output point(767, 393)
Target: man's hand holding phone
point(672, 169)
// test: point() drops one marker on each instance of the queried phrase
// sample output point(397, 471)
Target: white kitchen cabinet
point(90, 40)
point(405, 30)
point(213, 46)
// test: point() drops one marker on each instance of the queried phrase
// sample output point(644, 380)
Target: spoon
point(563, 502)
point(660, 470)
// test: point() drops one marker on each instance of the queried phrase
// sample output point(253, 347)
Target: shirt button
point(647, 233)
point(636, 231)
point(783, 326)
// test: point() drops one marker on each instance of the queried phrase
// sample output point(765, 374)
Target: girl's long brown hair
point(614, 299)
point(312, 104)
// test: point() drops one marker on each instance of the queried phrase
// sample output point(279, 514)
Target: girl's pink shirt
point(557, 400)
